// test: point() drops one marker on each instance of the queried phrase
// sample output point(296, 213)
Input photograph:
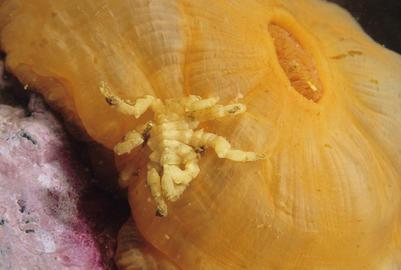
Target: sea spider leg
point(174, 179)
point(153, 180)
point(133, 139)
point(141, 104)
point(125, 175)
point(222, 147)
point(217, 111)
point(197, 103)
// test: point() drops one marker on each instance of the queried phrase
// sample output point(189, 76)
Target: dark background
point(381, 19)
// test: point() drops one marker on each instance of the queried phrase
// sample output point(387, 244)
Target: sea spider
point(173, 140)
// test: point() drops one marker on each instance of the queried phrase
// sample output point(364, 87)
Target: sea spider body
point(174, 141)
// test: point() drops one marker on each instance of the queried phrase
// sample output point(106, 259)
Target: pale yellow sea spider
point(173, 140)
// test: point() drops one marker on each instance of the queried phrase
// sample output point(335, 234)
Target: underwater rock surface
point(50, 217)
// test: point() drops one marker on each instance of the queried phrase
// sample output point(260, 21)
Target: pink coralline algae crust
point(48, 220)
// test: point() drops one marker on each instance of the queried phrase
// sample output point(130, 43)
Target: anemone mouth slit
point(297, 63)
